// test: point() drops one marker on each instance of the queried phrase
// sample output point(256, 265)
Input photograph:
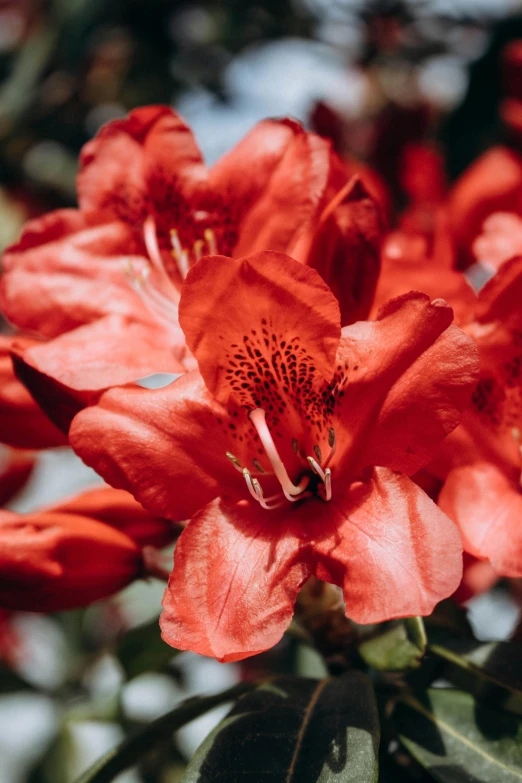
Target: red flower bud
point(52, 561)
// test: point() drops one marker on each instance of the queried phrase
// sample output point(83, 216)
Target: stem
point(127, 753)
point(320, 610)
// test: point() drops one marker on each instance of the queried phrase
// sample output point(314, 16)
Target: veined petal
point(237, 572)
point(78, 270)
point(166, 446)
point(261, 328)
point(146, 161)
point(394, 553)
point(487, 506)
point(410, 375)
point(288, 170)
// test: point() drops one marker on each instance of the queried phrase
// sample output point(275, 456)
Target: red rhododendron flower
point(290, 449)
point(482, 491)
point(423, 179)
point(500, 240)
point(75, 552)
point(492, 184)
point(407, 264)
point(108, 275)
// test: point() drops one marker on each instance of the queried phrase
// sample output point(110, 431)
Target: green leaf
point(142, 649)
point(491, 671)
point(159, 731)
point(400, 646)
point(459, 740)
point(295, 730)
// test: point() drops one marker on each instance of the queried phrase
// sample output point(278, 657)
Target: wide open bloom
point(76, 552)
point(290, 450)
point(109, 274)
point(482, 458)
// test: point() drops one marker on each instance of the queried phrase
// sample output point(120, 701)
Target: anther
point(180, 255)
point(258, 466)
point(328, 484)
point(332, 442)
point(210, 239)
point(234, 460)
point(295, 446)
point(317, 452)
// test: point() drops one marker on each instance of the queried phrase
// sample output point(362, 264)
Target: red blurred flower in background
point(290, 448)
point(108, 275)
point(78, 551)
point(483, 457)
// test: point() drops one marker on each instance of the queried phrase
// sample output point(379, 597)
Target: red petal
point(287, 176)
point(406, 267)
point(345, 252)
point(389, 547)
point(78, 270)
point(487, 507)
point(168, 446)
point(51, 561)
point(500, 298)
point(22, 423)
point(241, 316)
point(411, 374)
point(492, 184)
point(118, 508)
point(237, 572)
point(146, 162)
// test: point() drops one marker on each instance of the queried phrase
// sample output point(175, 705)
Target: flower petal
point(255, 315)
point(389, 547)
point(166, 446)
point(22, 423)
point(345, 252)
point(145, 162)
point(411, 373)
point(487, 506)
point(237, 572)
point(118, 508)
point(287, 176)
point(78, 270)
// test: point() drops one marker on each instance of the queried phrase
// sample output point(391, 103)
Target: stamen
point(258, 466)
point(254, 487)
point(332, 442)
point(290, 490)
point(316, 468)
point(163, 308)
point(151, 243)
point(197, 249)
point(179, 255)
point(210, 239)
point(317, 452)
point(328, 484)
point(234, 460)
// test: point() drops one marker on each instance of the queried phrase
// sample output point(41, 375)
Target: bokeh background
point(370, 75)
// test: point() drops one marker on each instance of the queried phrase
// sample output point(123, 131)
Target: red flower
point(273, 446)
point(76, 552)
point(108, 275)
point(482, 492)
point(407, 264)
point(493, 183)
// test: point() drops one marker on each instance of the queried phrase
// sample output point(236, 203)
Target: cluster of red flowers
point(345, 405)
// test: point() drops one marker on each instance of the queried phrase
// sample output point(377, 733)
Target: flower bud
point(52, 561)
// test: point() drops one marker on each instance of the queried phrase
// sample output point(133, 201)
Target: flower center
point(292, 492)
point(152, 281)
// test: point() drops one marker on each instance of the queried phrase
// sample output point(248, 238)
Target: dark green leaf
point(399, 647)
point(142, 649)
point(459, 740)
point(491, 671)
point(295, 730)
point(160, 730)
point(448, 619)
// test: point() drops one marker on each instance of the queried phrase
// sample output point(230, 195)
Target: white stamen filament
point(290, 490)
point(210, 239)
point(316, 468)
point(160, 305)
point(151, 243)
point(180, 255)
